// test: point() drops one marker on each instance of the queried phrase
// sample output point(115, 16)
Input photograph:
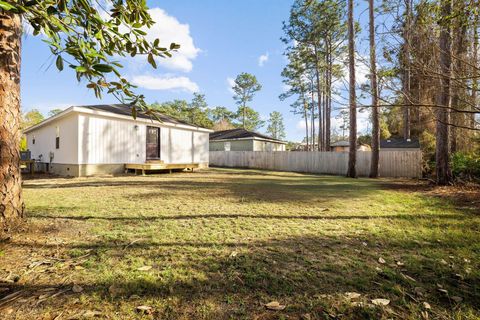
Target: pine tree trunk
point(244, 116)
point(374, 87)
point(320, 131)
point(460, 32)
point(474, 71)
point(352, 153)
point(328, 95)
point(406, 71)
point(11, 200)
point(319, 102)
point(305, 116)
point(443, 173)
point(312, 122)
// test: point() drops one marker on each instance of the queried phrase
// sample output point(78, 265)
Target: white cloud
point(165, 82)
point(263, 59)
point(231, 83)
point(168, 29)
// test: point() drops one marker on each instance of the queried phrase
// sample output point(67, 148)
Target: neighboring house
point(400, 145)
point(344, 146)
point(302, 146)
point(102, 139)
point(244, 140)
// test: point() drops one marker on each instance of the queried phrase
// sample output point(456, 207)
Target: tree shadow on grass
point(373, 216)
point(309, 274)
point(243, 190)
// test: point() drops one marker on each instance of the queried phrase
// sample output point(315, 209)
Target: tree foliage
point(195, 112)
point(89, 36)
point(315, 35)
point(244, 88)
point(276, 128)
point(54, 112)
point(248, 119)
point(28, 120)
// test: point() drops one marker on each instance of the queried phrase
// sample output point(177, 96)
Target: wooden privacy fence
point(392, 163)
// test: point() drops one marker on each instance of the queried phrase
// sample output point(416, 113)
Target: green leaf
point(151, 60)
point(59, 63)
point(81, 69)
point(103, 68)
point(6, 6)
point(174, 46)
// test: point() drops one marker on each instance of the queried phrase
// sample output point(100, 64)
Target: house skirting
point(84, 170)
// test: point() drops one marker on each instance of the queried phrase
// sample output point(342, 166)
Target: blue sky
point(219, 40)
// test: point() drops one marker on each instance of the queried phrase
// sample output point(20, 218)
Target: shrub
point(466, 166)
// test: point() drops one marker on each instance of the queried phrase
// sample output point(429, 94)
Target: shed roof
point(240, 133)
point(400, 143)
point(342, 143)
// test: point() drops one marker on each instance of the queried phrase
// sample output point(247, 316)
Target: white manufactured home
point(105, 139)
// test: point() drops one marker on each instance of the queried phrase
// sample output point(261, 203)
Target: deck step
point(155, 161)
point(160, 166)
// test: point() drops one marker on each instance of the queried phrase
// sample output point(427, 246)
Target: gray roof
point(126, 110)
point(399, 143)
point(239, 133)
point(342, 143)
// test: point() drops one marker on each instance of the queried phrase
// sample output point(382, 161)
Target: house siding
point(260, 145)
point(45, 141)
point(235, 145)
point(105, 140)
point(98, 144)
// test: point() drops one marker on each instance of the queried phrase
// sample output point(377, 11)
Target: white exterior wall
point(183, 146)
point(97, 139)
point(104, 140)
point(45, 141)
point(261, 145)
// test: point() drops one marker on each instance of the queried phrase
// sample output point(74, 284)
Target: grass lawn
point(220, 244)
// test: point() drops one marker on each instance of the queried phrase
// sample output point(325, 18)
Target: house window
point(227, 146)
point(57, 138)
point(33, 140)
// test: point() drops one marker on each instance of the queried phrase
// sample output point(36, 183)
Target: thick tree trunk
point(352, 154)
point(374, 88)
point(443, 173)
point(11, 201)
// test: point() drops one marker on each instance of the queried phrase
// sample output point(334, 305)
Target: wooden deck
point(159, 166)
